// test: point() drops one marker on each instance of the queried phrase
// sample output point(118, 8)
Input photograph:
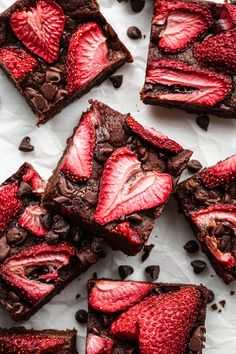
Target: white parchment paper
point(17, 121)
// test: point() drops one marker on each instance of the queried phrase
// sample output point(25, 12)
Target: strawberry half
point(17, 61)
point(77, 163)
point(209, 87)
point(87, 56)
point(98, 345)
point(17, 269)
point(40, 29)
point(125, 188)
point(10, 206)
point(154, 137)
point(112, 296)
point(221, 174)
point(184, 24)
point(34, 181)
point(30, 220)
point(227, 17)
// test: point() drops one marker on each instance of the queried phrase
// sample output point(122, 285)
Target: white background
point(17, 121)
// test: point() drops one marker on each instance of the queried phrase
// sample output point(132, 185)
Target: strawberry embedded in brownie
point(191, 63)
point(208, 202)
point(55, 51)
point(115, 177)
point(146, 318)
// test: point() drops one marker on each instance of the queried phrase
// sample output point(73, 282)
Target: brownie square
point(208, 201)
point(191, 61)
point(40, 253)
point(140, 317)
point(115, 177)
point(56, 51)
point(19, 340)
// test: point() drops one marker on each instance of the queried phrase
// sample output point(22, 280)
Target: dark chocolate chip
point(196, 341)
point(232, 292)
point(25, 145)
point(95, 276)
point(137, 5)
point(51, 238)
point(53, 75)
point(81, 316)
point(135, 217)
point(49, 91)
point(96, 246)
point(198, 266)
point(4, 249)
point(194, 166)
point(191, 246)
point(211, 296)
point(223, 303)
point(60, 226)
point(153, 271)
point(29, 91)
point(134, 32)
point(18, 308)
point(77, 296)
point(214, 307)
point(40, 103)
point(116, 80)
point(146, 251)
point(90, 197)
point(203, 121)
point(16, 236)
point(24, 190)
point(125, 271)
point(46, 220)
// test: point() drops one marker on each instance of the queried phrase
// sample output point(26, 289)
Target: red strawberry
point(17, 61)
point(128, 235)
point(220, 174)
point(154, 137)
point(10, 206)
point(20, 271)
point(34, 180)
point(87, 56)
point(209, 87)
point(98, 345)
point(77, 163)
point(164, 322)
point(111, 296)
point(125, 188)
point(30, 220)
point(185, 23)
point(227, 17)
point(219, 50)
point(40, 28)
point(226, 259)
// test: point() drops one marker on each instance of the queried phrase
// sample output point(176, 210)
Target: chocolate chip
point(24, 190)
point(18, 308)
point(4, 249)
point(135, 217)
point(53, 75)
point(96, 246)
point(16, 236)
point(196, 341)
point(223, 303)
point(90, 197)
point(51, 238)
point(134, 32)
point(214, 307)
point(194, 166)
point(232, 292)
point(203, 121)
point(211, 296)
point(95, 276)
point(49, 91)
point(46, 220)
point(25, 145)
point(125, 271)
point(137, 5)
point(191, 246)
point(198, 266)
point(146, 251)
point(116, 80)
point(29, 91)
point(60, 226)
point(77, 296)
point(40, 103)
point(81, 316)
point(153, 271)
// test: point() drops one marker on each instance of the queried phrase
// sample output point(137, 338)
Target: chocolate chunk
point(153, 271)
point(40, 103)
point(137, 5)
point(211, 296)
point(60, 226)
point(223, 303)
point(25, 145)
point(194, 166)
point(116, 80)
point(134, 32)
point(16, 236)
point(214, 307)
point(196, 341)
point(90, 197)
point(4, 249)
point(81, 316)
point(198, 266)
point(203, 121)
point(146, 251)
point(125, 271)
point(52, 238)
point(48, 91)
point(24, 190)
point(191, 246)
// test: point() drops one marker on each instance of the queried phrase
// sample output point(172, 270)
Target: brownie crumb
point(137, 5)
point(146, 251)
point(214, 307)
point(25, 145)
point(198, 266)
point(194, 166)
point(153, 271)
point(77, 296)
point(232, 292)
point(211, 296)
point(191, 246)
point(223, 303)
point(125, 271)
point(134, 32)
point(116, 80)
point(203, 121)
point(81, 316)
point(95, 275)
point(219, 311)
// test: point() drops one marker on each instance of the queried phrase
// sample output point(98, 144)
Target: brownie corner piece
point(190, 63)
point(208, 201)
point(170, 317)
point(56, 51)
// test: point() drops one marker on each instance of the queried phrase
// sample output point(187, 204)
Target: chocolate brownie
point(115, 177)
point(191, 63)
point(56, 51)
point(40, 253)
point(137, 317)
point(208, 201)
point(19, 340)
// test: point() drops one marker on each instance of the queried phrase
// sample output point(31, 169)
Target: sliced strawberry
point(30, 220)
point(128, 235)
point(34, 180)
point(220, 174)
point(24, 270)
point(77, 164)
point(226, 259)
point(125, 188)
point(154, 137)
point(111, 296)
point(227, 17)
point(17, 61)
point(87, 56)
point(98, 345)
point(10, 206)
point(185, 23)
point(209, 87)
point(40, 28)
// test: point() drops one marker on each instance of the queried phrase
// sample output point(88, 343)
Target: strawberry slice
point(221, 174)
point(227, 17)
point(226, 259)
point(10, 206)
point(185, 23)
point(98, 345)
point(125, 188)
point(17, 61)
point(77, 163)
point(111, 296)
point(34, 180)
point(30, 271)
point(40, 29)
point(30, 220)
point(128, 235)
point(87, 56)
point(154, 137)
point(209, 88)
